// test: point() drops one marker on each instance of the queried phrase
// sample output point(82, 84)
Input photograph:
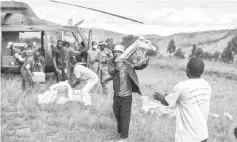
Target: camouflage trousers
point(103, 73)
point(27, 82)
point(94, 67)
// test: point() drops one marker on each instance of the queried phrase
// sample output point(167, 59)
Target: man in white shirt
point(86, 75)
point(192, 100)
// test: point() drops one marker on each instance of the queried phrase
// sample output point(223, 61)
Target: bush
point(151, 53)
point(227, 55)
point(179, 54)
point(171, 47)
point(199, 52)
point(110, 42)
point(216, 55)
point(193, 54)
point(129, 40)
point(206, 55)
point(230, 51)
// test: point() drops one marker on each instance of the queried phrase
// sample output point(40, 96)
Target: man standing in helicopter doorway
point(60, 62)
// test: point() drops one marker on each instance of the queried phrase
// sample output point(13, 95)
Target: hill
point(209, 41)
point(100, 34)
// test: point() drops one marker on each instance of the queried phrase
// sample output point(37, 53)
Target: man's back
point(84, 73)
point(193, 100)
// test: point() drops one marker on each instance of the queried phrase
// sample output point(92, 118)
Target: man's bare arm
point(161, 98)
point(76, 83)
point(54, 64)
point(108, 79)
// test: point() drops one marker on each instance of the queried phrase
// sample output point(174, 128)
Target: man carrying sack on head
point(125, 81)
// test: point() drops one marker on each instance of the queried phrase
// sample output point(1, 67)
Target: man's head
point(94, 45)
point(102, 45)
point(195, 68)
point(30, 45)
point(118, 50)
point(73, 61)
point(67, 44)
point(37, 55)
point(60, 43)
point(235, 132)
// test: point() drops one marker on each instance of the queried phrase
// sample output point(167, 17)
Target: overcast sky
point(162, 17)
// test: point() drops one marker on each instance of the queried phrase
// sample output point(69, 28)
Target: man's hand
point(161, 98)
point(146, 61)
point(58, 70)
point(33, 79)
point(157, 96)
point(102, 82)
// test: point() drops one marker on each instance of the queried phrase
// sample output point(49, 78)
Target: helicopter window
point(69, 37)
point(52, 38)
point(33, 39)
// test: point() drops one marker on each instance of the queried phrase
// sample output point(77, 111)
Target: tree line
point(227, 55)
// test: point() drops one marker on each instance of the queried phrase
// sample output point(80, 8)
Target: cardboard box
point(62, 91)
point(39, 77)
point(138, 56)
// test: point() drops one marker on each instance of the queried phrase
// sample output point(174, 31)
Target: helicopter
point(19, 24)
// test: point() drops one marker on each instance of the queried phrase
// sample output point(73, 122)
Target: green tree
point(179, 53)
point(194, 49)
point(171, 47)
point(216, 55)
point(198, 53)
point(227, 55)
point(129, 40)
point(110, 42)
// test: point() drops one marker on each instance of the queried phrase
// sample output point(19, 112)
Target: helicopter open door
point(89, 44)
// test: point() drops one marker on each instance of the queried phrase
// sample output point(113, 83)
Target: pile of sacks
point(155, 107)
point(60, 93)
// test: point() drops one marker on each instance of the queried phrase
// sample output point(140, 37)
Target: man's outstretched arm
point(161, 98)
point(76, 83)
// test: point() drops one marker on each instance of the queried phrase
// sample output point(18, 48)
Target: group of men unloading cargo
point(191, 97)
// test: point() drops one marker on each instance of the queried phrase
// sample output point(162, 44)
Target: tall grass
point(24, 120)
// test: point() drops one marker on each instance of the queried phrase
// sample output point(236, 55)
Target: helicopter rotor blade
point(99, 11)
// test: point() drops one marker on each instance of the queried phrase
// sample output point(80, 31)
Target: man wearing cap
point(192, 100)
point(125, 81)
point(93, 57)
point(104, 56)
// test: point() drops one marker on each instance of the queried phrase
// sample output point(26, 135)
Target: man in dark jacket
point(125, 81)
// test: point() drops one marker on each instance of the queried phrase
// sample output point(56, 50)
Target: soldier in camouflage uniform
point(93, 57)
point(104, 56)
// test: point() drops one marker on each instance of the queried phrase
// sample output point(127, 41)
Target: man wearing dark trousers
point(125, 81)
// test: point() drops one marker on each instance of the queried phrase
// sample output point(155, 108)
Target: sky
point(162, 17)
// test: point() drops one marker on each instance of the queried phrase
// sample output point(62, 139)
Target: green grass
point(22, 119)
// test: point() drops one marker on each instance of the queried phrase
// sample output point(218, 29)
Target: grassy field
point(22, 119)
